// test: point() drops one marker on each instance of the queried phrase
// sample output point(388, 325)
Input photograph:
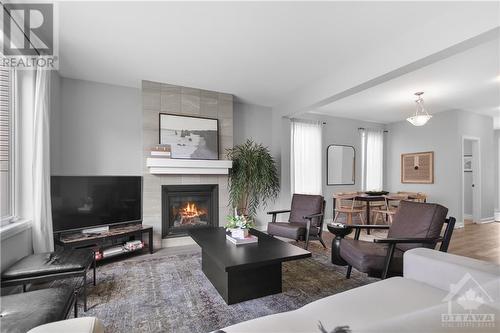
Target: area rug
point(170, 293)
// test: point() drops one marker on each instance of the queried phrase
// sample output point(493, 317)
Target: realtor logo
point(467, 302)
point(28, 35)
point(28, 29)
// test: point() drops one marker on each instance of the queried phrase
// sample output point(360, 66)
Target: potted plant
point(238, 225)
point(253, 179)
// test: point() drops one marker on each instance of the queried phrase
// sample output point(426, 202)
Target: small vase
point(239, 233)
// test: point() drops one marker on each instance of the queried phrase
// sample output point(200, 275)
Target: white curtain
point(42, 216)
point(372, 146)
point(305, 157)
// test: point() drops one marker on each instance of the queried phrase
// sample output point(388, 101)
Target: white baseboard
point(497, 215)
point(468, 216)
point(487, 220)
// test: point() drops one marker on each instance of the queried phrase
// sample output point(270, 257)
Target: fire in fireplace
point(190, 214)
point(188, 206)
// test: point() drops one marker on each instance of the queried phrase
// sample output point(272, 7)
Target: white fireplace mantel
point(167, 166)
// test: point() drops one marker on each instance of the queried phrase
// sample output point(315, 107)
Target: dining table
point(369, 198)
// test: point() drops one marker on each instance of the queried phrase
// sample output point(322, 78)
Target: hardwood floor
point(480, 241)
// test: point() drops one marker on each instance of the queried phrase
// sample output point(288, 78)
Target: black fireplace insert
point(188, 206)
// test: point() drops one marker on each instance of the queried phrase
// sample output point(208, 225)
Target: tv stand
point(112, 239)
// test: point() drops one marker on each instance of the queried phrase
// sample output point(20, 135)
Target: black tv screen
point(80, 202)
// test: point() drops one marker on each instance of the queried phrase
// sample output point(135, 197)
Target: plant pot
point(239, 233)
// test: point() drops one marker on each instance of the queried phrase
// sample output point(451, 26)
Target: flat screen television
point(80, 202)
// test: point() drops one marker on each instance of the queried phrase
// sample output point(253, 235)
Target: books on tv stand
point(128, 247)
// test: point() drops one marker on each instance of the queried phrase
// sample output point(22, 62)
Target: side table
point(340, 231)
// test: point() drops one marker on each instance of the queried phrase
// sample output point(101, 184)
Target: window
point(306, 143)
point(6, 146)
point(372, 159)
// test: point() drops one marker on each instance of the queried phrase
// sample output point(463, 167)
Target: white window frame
point(12, 217)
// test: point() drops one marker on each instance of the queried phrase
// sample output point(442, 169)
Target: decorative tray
point(375, 193)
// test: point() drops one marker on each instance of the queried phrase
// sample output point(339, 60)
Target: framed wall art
point(417, 168)
point(190, 137)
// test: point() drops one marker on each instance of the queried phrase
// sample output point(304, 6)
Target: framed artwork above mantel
point(190, 137)
point(417, 168)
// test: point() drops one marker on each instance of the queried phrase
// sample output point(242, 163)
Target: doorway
point(471, 179)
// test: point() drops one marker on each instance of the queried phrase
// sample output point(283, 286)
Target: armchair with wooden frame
point(305, 221)
point(415, 224)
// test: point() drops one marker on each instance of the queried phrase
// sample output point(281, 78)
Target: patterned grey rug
point(170, 293)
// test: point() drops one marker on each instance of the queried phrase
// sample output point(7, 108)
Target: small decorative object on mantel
point(417, 168)
point(164, 151)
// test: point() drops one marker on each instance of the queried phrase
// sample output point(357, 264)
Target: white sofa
point(74, 325)
point(417, 302)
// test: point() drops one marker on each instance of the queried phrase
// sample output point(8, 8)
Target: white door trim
point(476, 176)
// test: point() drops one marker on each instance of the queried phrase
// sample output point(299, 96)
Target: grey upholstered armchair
point(414, 225)
point(305, 221)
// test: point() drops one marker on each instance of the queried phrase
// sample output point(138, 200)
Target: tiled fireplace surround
point(161, 97)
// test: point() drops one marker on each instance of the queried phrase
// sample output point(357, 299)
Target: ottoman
point(45, 267)
point(24, 311)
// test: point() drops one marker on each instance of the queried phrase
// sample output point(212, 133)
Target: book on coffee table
point(239, 241)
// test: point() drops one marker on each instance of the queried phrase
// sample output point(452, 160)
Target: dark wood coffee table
point(244, 272)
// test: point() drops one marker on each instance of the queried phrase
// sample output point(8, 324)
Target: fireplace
point(188, 206)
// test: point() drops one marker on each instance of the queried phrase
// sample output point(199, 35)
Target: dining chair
point(376, 205)
point(415, 196)
point(389, 210)
point(346, 204)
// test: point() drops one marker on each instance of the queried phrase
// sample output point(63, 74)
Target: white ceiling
point(467, 81)
point(260, 52)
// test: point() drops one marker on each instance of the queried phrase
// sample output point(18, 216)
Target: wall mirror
point(340, 165)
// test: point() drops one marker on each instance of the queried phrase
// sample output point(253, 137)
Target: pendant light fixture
point(421, 117)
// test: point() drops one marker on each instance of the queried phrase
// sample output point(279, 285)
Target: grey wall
point(98, 130)
point(254, 122)
point(443, 135)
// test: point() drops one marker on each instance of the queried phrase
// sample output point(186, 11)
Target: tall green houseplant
point(253, 179)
